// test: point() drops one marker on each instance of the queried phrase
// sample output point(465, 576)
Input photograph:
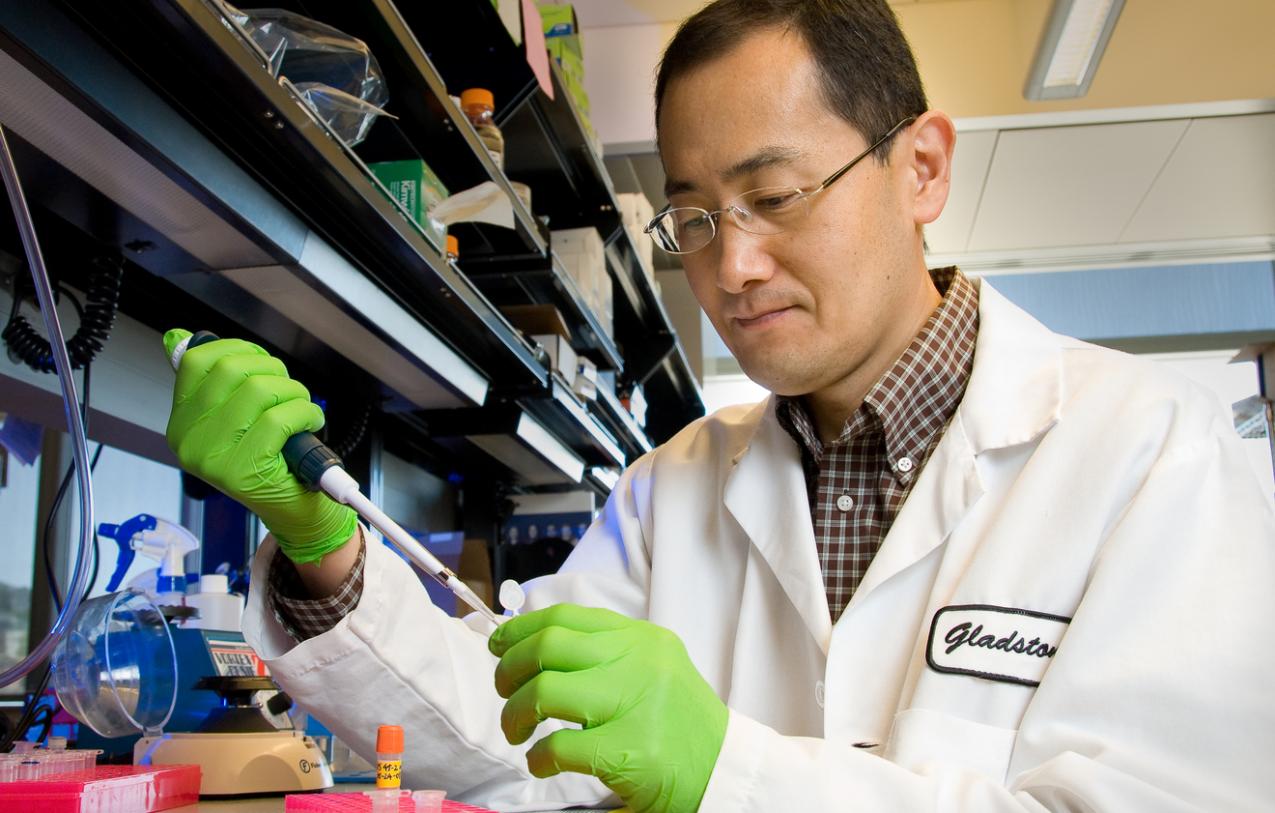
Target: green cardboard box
point(571, 64)
point(559, 19)
point(559, 23)
point(575, 89)
point(413, 184)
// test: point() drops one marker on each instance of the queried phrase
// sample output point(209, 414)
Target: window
point(1231, 383)
point(18, 493)
point(124, 485)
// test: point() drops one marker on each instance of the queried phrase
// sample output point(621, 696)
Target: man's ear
point(933, 142)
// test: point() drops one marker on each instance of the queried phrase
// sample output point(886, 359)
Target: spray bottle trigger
point(123, 535)
point(125, 558)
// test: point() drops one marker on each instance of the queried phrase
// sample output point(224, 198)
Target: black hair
point(867, 71)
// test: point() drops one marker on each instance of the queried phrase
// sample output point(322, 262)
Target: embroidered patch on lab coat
point(996, 643)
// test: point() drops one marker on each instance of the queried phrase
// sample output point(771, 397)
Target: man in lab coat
point(955, 562)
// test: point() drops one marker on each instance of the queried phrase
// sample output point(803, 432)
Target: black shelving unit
point(255, 118)
point(543, 280)
point(546, 148)
point(177, 83)
point(622, 425)
point(429, 125)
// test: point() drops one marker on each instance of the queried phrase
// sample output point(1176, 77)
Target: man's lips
point(759, 318)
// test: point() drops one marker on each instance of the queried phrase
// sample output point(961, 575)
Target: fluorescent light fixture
point(1069, 53)
point(533, 453)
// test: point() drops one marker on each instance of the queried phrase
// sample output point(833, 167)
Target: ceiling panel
point(1220, 182)
point(969, 170)
point(1069, 186)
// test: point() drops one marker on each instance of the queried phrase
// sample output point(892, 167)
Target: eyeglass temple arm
point(836, 176)
point(650, 226)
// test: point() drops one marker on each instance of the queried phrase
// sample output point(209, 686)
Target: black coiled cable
point(357, 430)
point(101, 300)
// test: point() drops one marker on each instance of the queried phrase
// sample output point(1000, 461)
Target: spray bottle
point(158, 539)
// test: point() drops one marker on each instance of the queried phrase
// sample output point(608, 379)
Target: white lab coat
point(1072, 483)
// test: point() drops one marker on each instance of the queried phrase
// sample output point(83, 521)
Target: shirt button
point(819, 693)
point(904, 465)
point(844, 503)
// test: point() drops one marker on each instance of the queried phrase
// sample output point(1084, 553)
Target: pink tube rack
point(358, 803)
point(104, 789)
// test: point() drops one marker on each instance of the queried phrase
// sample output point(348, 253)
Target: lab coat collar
point(1013, 395)
point(1015, 391)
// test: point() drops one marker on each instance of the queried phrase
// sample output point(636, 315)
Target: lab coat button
point(844, 503)
point(819, 693)
point(904, 465)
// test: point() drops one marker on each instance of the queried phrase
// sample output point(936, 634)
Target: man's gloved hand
point(652, 726)
point(233, 409)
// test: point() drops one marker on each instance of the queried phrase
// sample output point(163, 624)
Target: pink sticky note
point(533, 37)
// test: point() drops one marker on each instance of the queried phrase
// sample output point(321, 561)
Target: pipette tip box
point(359, 803)
point(104, 789)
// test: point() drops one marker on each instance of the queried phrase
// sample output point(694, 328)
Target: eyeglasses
point(770, 210)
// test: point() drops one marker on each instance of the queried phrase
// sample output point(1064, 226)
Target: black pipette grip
point(307, 456)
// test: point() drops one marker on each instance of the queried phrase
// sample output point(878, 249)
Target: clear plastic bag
point(349, 117)
point(317, 52)
point(337, 74)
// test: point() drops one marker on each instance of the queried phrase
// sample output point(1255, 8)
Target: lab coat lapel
point(947, 488)
point(766, 494)
point(1013, 395)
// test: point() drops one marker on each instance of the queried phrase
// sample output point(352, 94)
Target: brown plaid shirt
point(302, 616)
point(870, 469)
point(857, 483)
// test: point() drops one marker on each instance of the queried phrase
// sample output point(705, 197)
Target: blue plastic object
point(123, 535)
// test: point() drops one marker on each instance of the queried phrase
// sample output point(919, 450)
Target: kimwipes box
point(414, 185)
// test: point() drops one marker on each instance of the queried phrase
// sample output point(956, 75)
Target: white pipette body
point(343, 488)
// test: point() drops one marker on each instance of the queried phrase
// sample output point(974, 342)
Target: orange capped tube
point(389, 756)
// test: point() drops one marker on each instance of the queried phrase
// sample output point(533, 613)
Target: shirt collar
point(918, 395)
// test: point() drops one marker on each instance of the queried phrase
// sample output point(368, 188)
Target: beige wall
point(975, 56)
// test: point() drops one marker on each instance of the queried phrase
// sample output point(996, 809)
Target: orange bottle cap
point(389, 739)
point(480, 96)
point(453, 246)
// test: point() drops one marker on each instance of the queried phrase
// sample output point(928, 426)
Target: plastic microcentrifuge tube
point(429, 801)
point(385, 800)
point(511, 596)
point(86, 758)
point(30, 767)
point(389, 757)
point(59, 762)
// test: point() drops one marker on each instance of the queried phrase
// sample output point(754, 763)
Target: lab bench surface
point(274, 804)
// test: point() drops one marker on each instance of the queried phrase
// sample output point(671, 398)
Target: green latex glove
point(233, 409)
point(652, 726)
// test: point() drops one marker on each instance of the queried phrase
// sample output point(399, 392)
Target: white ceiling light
point(1069, 53)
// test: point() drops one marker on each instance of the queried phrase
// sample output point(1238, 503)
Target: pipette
point(319, 469)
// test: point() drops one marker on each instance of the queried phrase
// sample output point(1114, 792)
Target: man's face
point(804, 309)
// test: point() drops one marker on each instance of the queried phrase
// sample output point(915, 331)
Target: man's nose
point(742, 259)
